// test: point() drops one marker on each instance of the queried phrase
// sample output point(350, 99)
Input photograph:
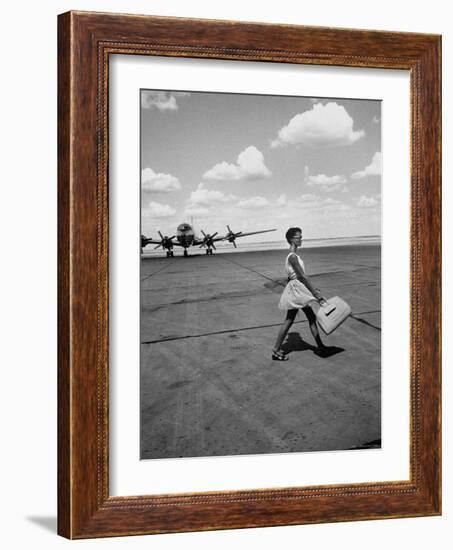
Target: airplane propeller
point(208, 240)
point(144, 241)
point(166, 242)
point(231, 236)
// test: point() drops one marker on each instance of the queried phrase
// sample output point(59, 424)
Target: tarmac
point(208, 384)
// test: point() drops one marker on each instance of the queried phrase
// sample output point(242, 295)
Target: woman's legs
point(290, 316)
point(313, 325)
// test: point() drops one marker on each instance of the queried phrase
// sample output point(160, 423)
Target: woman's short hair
point(291, 232)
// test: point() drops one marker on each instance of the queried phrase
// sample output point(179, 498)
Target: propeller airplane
point(185, 237)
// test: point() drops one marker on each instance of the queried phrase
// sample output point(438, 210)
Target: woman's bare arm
point(303, 278)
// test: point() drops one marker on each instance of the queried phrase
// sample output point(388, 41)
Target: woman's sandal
point(278, 355)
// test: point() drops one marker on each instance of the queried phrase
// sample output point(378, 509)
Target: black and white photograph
point(260, 279)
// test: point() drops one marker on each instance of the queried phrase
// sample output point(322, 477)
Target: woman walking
point(299, 293)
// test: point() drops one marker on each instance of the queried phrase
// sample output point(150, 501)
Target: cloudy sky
point(260, 162)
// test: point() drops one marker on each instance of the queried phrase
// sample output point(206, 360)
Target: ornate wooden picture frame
point(85, 507)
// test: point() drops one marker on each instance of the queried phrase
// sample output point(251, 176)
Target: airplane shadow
point(294, 343)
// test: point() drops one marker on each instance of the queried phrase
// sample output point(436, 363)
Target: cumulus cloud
point(205, 197)
point(317, 202)
point(158, 210)
point(281, 201)
point(322, 179)
point(308, 197)
point(163, 183)
point(253, 202)
point(249, 165)
point(163, 101)
point(325, 183)
point(322, 125)
point(373, 169)
point(367, 202)
point(194, 210)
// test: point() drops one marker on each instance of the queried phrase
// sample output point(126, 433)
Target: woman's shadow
point(295, 343)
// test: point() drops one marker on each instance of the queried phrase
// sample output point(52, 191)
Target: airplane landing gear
point(170, 254)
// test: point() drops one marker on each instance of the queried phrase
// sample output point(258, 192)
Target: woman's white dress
point(296, 294)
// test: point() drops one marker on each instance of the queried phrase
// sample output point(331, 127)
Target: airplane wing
point(174, 243)
point(198, 241)
point(250, 233)
point(150, 241)
point(154, 241)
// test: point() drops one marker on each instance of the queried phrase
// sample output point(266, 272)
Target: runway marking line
point(253, 271)
point(173, 338)
point(366, 322)
point(156, 272)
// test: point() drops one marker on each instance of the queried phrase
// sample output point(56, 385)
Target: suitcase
point(331, 315)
